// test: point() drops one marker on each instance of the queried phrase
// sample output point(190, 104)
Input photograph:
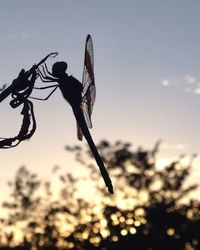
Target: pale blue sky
point(137, 45)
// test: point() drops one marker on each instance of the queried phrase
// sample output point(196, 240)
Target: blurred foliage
point(148, 211)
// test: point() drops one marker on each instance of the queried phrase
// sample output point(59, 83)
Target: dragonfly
point(80, 96)
point(20, 91)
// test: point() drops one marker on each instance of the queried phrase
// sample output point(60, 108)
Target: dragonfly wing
point(79, 132)
point(88, 81)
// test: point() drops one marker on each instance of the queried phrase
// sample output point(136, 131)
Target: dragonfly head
point(59, 68)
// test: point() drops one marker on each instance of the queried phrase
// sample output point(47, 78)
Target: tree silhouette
point(157, 219)
point(150, 209)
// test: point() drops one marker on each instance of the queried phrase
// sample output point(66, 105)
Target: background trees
point(148, 211)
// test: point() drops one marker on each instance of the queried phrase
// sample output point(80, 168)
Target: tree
point(147, 211)
point(157, 210)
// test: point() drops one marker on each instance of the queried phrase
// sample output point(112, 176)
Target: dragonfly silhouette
point(20, 90)
point(81, 97)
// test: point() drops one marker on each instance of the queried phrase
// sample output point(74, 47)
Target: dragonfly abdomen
point(82, 124)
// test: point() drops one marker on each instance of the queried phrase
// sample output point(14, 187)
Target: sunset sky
point(147, 69)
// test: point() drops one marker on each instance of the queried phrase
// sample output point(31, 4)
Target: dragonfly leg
point(44, 77)
point(46, 98)
point(47, 87)
point(47, 71)
point(47, 74)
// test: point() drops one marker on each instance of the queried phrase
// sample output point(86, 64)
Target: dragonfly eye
point(59, 68)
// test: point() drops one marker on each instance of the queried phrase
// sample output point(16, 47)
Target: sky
point(146, 56)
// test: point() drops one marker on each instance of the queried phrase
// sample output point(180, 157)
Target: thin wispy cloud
point(165, 82)
point(189, 79)
point(23, 36)
point(187, 83)
point(197, 91)
point(175, 146)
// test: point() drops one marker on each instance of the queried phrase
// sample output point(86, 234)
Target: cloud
point(197, 91)
point(165, 82)
point(187, 83)
point(23, 35)
point(30, 35)
point(189, 79)
point(175, 146)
